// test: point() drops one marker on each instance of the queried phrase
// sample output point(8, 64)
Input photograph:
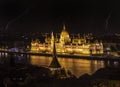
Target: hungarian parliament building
point(67, 45)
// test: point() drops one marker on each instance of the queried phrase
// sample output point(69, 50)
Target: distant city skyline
point(90, 16)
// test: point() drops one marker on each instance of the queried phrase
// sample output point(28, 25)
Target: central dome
point(64, 36)
point(64, 32)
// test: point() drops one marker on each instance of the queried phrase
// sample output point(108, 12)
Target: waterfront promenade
point(80, 56)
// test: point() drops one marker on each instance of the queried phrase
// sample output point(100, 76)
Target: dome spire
point(64, 28)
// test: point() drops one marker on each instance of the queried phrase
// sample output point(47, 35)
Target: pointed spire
point(64, 28)
point(52, 35)
point(54, 63)
point(54, 50)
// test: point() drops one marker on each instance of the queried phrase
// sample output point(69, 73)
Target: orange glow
point(75, 46)
point(77, 66)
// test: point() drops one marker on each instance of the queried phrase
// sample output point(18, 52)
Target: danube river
point(77, 66)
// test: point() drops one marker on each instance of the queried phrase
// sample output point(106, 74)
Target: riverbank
point(80, 56)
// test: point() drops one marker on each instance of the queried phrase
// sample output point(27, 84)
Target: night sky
point(85, 16)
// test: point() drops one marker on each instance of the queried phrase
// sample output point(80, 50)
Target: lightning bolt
point(107, 21)
point(13, 20)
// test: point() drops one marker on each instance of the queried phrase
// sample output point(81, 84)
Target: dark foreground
point(33, 76)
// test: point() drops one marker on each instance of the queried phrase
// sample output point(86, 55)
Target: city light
point(67, 45)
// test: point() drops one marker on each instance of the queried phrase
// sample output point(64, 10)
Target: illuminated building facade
point(67, 45)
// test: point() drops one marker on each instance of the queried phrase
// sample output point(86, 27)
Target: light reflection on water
point(77, 66)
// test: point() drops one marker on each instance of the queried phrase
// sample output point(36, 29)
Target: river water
point(77, 66)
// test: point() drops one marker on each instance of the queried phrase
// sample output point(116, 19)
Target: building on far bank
point(67, 45)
